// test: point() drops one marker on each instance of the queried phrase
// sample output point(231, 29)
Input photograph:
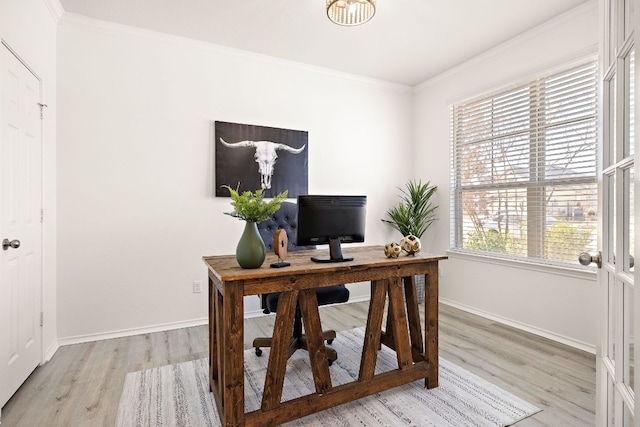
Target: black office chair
point(286, 218)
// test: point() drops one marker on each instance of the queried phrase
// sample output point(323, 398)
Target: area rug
point(178, 395)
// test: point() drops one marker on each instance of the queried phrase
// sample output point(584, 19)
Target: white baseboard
point(51, 350)
point(78, 339)
point(589, 348)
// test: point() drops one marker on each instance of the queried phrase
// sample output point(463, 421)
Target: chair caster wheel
point(258, 351)
point(330, 341)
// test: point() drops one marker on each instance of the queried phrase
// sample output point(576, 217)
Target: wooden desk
point(417, 357)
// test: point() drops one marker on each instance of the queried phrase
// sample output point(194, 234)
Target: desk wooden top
point(226, 269)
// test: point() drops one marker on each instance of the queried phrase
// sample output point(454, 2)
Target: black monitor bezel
point(333, 204)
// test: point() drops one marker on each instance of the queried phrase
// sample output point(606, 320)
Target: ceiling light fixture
point(350, 12)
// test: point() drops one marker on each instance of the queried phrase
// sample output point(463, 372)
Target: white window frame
point(535, 183)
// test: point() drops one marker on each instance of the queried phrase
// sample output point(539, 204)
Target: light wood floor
point(81, 385)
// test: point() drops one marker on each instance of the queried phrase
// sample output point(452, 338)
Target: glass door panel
point(611, 324)
point(629, 146)
point(610, 47)
point(610, 220)
point(628, 235)
point(627, 26)
point(628, 339)
point(609, 150)
point(611, 403)
point(628, 417)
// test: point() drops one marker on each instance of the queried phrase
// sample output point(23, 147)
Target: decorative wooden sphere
point(392, 250)
point(410, 244)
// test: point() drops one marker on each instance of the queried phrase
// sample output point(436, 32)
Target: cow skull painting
point(282, 157)
point(265, 156)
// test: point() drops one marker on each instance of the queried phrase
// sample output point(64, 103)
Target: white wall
point(549, 302)
point(136, 163)
point(29, 28)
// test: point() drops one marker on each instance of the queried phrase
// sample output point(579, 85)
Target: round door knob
point(6, 244)
point(585, 258)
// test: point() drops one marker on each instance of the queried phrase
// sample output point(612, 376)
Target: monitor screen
point(331, 220)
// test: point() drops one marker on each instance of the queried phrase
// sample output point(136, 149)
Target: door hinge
point(42, 107)
point(41, 216)
point(42, 318)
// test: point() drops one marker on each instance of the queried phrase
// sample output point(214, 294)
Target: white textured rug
point(178, 395)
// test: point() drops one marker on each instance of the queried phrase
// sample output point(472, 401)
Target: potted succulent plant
point(252, 208)
point(413, 215)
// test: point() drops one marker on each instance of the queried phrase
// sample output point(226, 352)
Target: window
point(524, 169)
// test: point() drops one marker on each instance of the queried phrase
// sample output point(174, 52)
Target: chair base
point(299, 343)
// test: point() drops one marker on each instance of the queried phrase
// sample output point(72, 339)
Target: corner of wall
point(55, 8)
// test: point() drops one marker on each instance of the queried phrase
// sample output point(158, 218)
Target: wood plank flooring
point(81, 385)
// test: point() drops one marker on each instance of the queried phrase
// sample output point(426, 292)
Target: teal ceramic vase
point(250, 251)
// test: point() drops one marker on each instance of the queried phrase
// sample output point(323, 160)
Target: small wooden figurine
point(280, 243)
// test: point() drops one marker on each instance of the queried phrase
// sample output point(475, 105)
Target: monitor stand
point(335, 253)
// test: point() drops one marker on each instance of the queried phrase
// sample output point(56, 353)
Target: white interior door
point(616, 373)
point(20, 223)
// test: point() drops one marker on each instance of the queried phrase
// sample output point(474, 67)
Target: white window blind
point(524, 169)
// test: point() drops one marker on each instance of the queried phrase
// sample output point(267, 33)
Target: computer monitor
point(331, 220)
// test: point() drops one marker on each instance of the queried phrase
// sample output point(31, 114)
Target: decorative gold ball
point(392, 250)
point(410, 244)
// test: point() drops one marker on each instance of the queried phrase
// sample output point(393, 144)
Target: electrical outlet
point(197, 286)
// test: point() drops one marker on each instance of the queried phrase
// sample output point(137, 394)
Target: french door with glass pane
point(616, 351)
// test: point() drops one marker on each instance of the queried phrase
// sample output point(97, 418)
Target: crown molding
point(74, 20)
point(576, 12)
point(55, 9)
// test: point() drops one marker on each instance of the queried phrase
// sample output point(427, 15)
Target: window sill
point(587, 273)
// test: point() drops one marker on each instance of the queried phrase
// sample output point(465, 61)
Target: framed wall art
point(261, 157)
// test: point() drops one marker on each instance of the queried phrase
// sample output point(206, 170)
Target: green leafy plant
point(416, 212)
point(565, 239)
point(251, 206)
point(487, 241)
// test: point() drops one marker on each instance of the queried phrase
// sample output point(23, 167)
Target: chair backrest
point(287, 218)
